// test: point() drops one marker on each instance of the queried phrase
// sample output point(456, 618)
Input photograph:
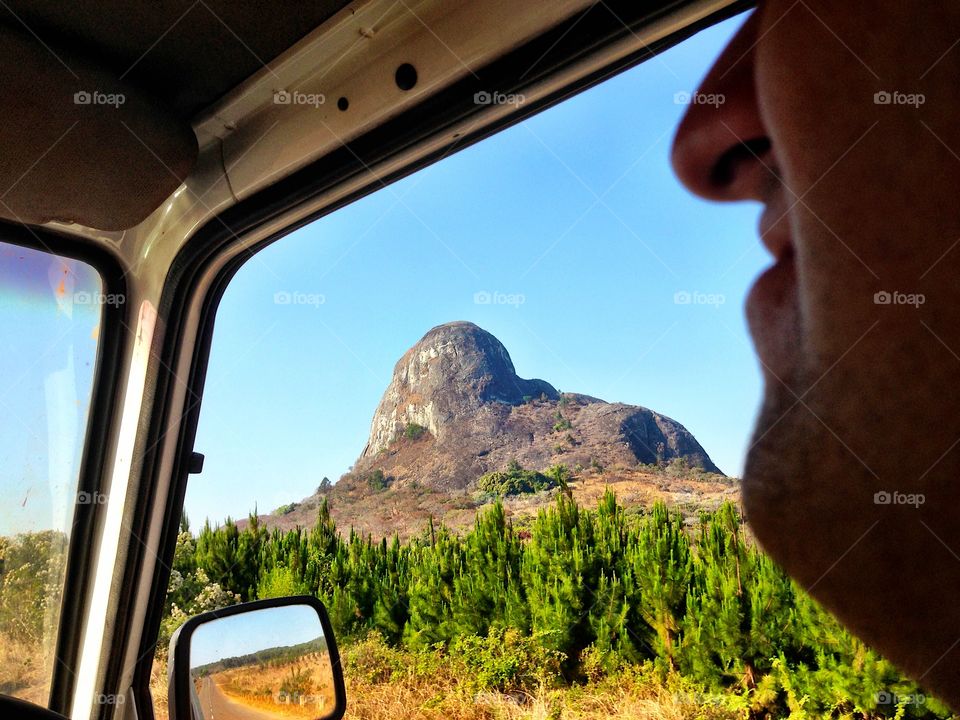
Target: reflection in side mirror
point(265, 660)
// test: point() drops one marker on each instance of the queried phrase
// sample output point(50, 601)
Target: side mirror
point(265, 660)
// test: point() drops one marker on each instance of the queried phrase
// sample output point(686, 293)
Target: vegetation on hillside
point(580, 614)
point(581, 600)
point(413, 431)
point(517, 481)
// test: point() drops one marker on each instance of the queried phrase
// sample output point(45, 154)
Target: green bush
point(376, 480)
point(560, 474)
point(280, 582)
point(514, 481)
point(413, 431)
point(507, 661)
point(372, 659)
point(31, 577)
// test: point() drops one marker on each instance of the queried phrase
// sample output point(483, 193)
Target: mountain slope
point(455, 409)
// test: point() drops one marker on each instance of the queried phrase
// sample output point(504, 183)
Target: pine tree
point(621, 635)
point(431, 590)
point(661, 565)
point(559, 572)
point(717, 622)
point(488, 592)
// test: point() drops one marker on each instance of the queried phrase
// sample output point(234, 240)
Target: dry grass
point(405, 510)
point(158, 689)
point(445, 700)
point(636, 488)
point(441, 697)
point(385, 683)
point(237, 684)
point(259, 686)
point(25, 670)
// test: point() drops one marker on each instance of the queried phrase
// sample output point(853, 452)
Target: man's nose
point(721, 150)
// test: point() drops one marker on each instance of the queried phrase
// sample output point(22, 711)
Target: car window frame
point(187, 285)
point(106, 369)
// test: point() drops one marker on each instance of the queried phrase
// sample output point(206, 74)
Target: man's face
point(843, 118)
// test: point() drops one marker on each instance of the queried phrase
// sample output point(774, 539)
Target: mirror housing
point(236, 655)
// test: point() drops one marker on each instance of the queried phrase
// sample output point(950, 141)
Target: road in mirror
point(267, 664)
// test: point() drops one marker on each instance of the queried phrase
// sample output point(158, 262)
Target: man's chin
point(763, 485)
point(780, 492)
point(808, 500)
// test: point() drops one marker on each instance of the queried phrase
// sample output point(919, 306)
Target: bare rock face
point(459, 383)
point(453, 374)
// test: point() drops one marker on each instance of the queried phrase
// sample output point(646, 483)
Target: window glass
point(50, 314)
point(490, 544)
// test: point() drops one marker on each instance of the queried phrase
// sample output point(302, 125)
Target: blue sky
point(238, 635)
point(49, 320)
point(573, 218)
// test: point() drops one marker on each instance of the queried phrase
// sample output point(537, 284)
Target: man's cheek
point(837, 166)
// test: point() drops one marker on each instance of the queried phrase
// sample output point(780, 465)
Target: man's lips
point(773, 317)
point(772, 305)
point(774, 228)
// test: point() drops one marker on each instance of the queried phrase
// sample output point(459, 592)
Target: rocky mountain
point(459, 384)
point(455, 409)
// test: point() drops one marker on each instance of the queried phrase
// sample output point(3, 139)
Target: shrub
point(31, 577)
point(198, 594)
point(376, 480)
point(507, 661)
point(373, 660)
point(413, 431)
point(280, 582)
point(560, 474)
point(297, 683)
point(677, 467)
point(515, 481)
